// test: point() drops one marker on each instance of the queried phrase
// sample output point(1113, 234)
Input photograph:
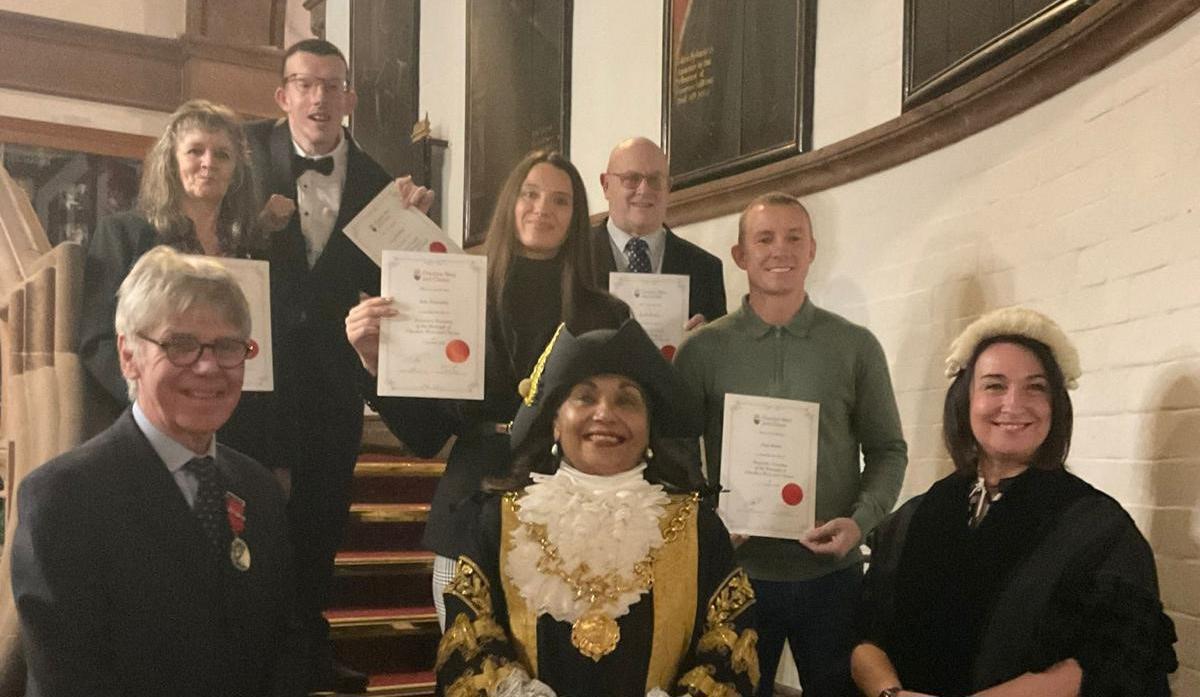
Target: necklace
point(595, 633)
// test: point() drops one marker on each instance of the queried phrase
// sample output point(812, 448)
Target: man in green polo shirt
point(779, 344)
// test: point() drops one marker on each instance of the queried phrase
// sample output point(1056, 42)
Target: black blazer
point(707, 289)
point(117, 589)
point(309, 306)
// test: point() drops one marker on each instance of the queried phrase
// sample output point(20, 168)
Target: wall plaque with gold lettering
point(737, 84)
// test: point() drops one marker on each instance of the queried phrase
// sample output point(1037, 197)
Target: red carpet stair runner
point(382, 618)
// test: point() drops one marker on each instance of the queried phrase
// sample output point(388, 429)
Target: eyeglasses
point(632, 180)
point(184, 350)
point(306, 84)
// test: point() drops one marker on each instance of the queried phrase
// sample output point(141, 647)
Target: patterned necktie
point(639, 255)
point(210, 501)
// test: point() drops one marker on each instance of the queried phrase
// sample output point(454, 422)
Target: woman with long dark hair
point(538, 263)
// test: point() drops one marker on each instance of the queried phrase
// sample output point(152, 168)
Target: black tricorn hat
point(626, 351)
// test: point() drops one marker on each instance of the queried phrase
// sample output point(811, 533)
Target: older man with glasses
point(152, 559)
point(634, 237)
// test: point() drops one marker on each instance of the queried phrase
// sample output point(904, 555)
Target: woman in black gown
point(1012, 576)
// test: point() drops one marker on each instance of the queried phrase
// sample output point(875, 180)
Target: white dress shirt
point(174, 455)
point(318, 198)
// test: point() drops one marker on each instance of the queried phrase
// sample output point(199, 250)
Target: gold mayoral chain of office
point(565, 577)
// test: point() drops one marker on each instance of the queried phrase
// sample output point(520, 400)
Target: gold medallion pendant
point(239, 554)
point(595, 634)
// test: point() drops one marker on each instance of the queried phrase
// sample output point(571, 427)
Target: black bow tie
point(321, 165)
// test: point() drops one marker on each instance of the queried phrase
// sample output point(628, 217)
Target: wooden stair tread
point(346, 616)
point(378, 465)
point(389, 512)
point(404, 557)
point(392, 683)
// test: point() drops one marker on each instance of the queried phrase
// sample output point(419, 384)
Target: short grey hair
point(165, 284)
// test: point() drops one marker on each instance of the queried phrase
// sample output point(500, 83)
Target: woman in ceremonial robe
point(594, 570)
point(538, 261)
point(1012, 576)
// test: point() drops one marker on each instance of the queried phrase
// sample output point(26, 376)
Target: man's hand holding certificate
point(659, 302)
point(768, 466)
point(434, 345)
point(388, 222)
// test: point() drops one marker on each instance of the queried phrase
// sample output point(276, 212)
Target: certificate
point(659, 302)
point(386, 223)
point(254, 277)
point(434, 347)
point(769, 466)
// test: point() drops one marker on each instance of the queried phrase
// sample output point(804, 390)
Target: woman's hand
point(413, 195)
point(837, 537)
point(362, 329)
point(276, 213)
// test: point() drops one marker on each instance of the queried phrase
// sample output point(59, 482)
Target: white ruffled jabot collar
point(609, 523)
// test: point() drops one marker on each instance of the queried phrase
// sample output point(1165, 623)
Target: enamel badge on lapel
point(239, 551)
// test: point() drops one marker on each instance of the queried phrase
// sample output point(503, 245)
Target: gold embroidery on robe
point(468, 638)
point(730, 600)
point(699, 682)
point(472, 683)
point(675, 596)
point(471, 587)
point(522, 623)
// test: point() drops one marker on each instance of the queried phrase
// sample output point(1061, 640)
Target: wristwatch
point(890, 692)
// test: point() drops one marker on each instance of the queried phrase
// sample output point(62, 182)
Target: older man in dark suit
point(635, 238)
point(152, 560)
point(315, 180)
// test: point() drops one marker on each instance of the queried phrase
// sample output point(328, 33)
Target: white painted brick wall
point(1086, 207)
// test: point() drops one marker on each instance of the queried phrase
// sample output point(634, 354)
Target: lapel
point(602, 256)
point(169, 523)
point(279, 172)
point(354, 199)
point(672, 263)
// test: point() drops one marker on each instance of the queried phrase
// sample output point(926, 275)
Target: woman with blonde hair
point(196, 195)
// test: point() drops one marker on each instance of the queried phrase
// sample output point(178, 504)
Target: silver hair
point(165, 284)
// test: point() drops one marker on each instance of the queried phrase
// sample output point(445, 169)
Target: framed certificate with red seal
point(434, 346)
point(769, 465)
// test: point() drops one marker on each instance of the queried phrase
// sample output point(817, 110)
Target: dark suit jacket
point(118, 591)
point(707, 287)
point(309, 306)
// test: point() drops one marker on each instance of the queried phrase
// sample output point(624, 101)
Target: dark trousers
point(816, 618)
point(318, 510)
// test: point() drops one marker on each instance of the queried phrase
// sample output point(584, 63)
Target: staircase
point(382, 620)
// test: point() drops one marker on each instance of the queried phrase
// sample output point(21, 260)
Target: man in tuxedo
point(316, 180)
point(153, 560)
point(634, 237)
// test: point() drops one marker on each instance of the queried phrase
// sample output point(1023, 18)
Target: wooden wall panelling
point(78, 138)
point(243, 78)
point(66, 59)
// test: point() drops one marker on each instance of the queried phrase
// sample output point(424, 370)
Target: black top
point(1056, 570)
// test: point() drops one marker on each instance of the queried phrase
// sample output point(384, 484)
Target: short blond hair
point(164, 284)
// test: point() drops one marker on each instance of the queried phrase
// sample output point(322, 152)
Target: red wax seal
point(792, 494)
point(668, 352)
point(437, 246)
point(458, 351)
point(253, 352)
